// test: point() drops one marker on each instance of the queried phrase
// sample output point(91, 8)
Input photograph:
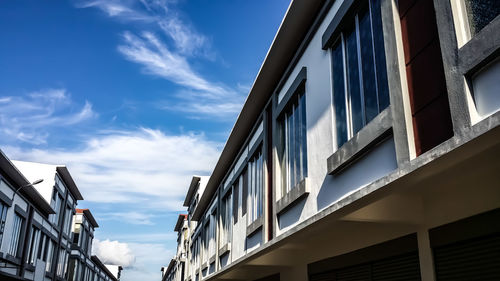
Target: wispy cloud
point(29, 118)
point(165, 51)
point(145, 167)
point(132, 217)
point(158, 60)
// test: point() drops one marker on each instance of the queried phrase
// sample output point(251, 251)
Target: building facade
point(37, 214)
point(368, 149)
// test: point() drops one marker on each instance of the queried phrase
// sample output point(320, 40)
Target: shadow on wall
point(291, 215)
point(378, 162)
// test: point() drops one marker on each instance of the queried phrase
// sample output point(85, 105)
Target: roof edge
point(194, 183)
point(70, 183)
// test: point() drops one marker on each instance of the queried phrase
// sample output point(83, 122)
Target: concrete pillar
point(425, 255)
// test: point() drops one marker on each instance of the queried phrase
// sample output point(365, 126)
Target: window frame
point(382, 125)
point(300, 189)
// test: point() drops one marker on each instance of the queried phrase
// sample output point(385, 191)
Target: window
point(16, 235)
point(256, 186)
point(68, 219)
point(480, 13)
point(61, 263)
point(236, 192)
point(360, 89)
point(56, 204)
point(89, 245)
point(49, 254)
point(292, 148)
point(33, 246)
point(226, 225)
point(3, 215)
point(211, 236)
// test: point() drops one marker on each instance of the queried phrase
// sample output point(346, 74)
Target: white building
point(368, 148)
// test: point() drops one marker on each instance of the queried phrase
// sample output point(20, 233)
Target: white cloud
point(28, 118)
point(157, 59)
point(113, 252)
point(131, 217)
point(118, 9)
point(168, 59)
point(141, 261)
point(145, 167)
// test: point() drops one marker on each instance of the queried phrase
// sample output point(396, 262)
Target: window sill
point(12, 259)
point(224, 249)
point(255, 225)
point(204, 266)
point(296, 193)
point(29, 267)
point(211, 260)
point(368, 136)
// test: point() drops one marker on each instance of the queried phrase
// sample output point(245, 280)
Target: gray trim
point(396, 106)
point(204, 266)
point(366, 138)
point(336, 25)
point(481, 49)
point(5, 199)
point(211, 259)
point(255, 225)
point(296, 193)
point(20, 211)
point(298, 82)
point(226, 248)
point(457, 98)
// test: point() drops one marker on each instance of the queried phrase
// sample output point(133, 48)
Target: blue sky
point(135, 96)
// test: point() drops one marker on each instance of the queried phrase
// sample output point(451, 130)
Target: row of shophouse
point(43, 236)
point(368, 149)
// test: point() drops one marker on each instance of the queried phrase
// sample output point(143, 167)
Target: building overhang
point(170, 267)
point(192, 190)
point(103, 267)
point(20, 180)
point(180, 222)
point(70, 183)
point(294, 27)
point(89, 216)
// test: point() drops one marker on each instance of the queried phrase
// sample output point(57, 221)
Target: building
point(83, 266)
point(368, 149)
point(176, 269)
point(40, 227)
point(23, 213)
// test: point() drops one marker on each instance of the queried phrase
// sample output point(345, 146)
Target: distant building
point(37, 225)
point(368, 149)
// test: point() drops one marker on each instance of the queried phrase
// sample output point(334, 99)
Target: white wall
point(321, 138)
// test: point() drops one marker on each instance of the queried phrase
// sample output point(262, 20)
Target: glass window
point(226, 214)
point(33, 246)
point(236, 190)
point(360, 89)
point(68, 219)
point(56, 204)
point(480, 13)
point(292, 147)
point(256, 186)
point(3, 215)
point(49, 254)
point(61, 263)
point(16, 235)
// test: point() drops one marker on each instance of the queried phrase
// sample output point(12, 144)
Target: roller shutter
point(473, 259)
point(402, 267)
